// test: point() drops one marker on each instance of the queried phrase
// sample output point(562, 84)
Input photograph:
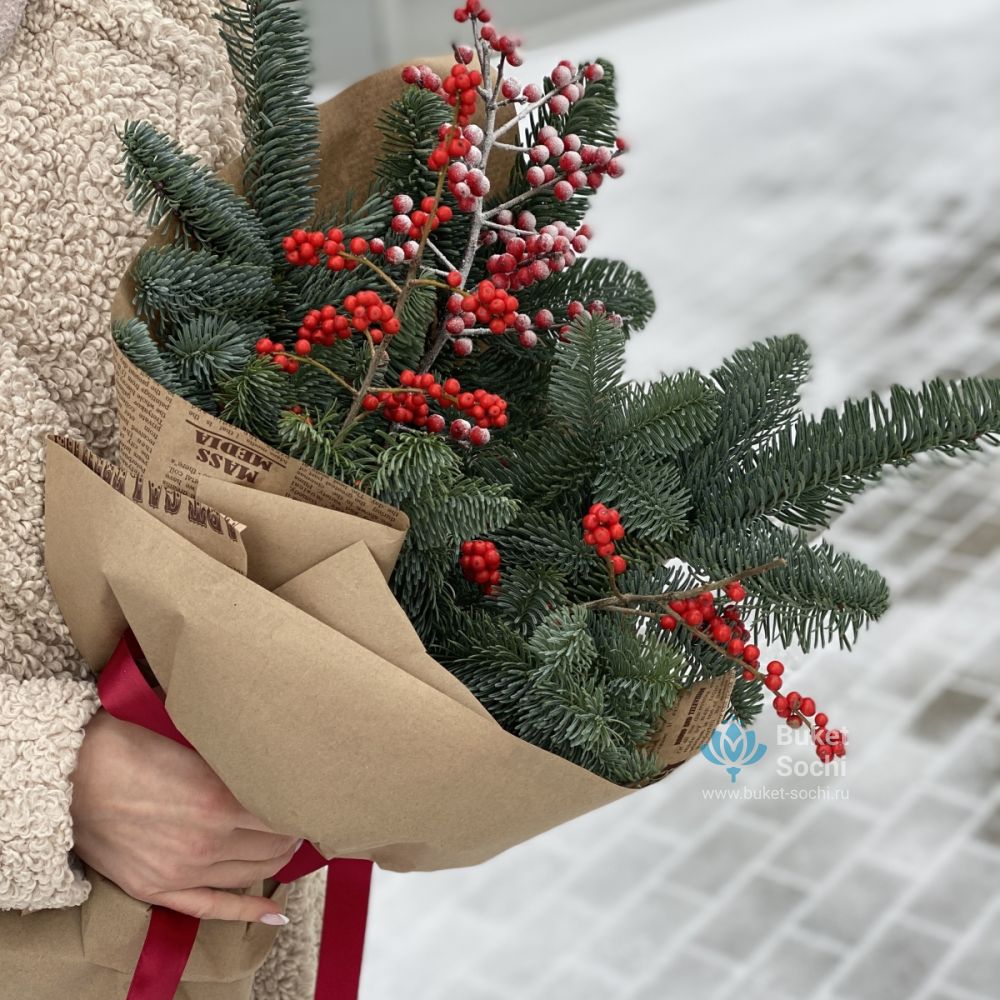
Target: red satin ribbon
point(170, 938)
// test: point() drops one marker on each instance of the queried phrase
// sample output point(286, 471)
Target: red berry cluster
point(410, 404)
point(480, 562)
point(488, 306)
point(796, 710)
point(602, 528)
point(414, 223)
point(466, 181)
point(728, 630)
point(473, 11)
point(307, 248)
point(365, 311)
point(461, 89)
point(368, 312)
point(452, 145)
point(578, 165)
point(423, 76)
point(322, 326)
point(529, 257)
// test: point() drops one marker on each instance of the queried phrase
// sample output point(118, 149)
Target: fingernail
point(298, 844)
point(274, 919)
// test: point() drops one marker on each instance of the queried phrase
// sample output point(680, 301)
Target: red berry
point(618, 565)
point(721, 633)
point(668, 623)
point(794, 700)
point(735, 592)
point(735, 648)
point(821, 720)
point(454, 279)
point(751, 653)
point(776, 667)
point(772, 682)
point(808, 707)
point(694, 618)
point(749, 675)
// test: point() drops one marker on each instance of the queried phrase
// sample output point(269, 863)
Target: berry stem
point(411, 277)
point(529, 109)
point(680, 595)
point(302, 360)
point(524, 196)
point(374, 267)
point(379, 356)
point(441, 257)
point(430, 283)
point(739, 665)
point(478, 217)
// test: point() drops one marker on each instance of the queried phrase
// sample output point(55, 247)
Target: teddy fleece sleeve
point(41, 729)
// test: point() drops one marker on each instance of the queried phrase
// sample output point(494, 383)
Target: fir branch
point(562, 641)
point(269, 52)
point(494, 662)
point(179, 284)
point(759, 395)
point(818, 596)
point(622, 290)
point(409, 128)
point(424, 586)
point(813, 468)
point(254, 398)
point(415, 464)
point(546, 538)
point(651, 496)
point(164, 181)
point(137, 344)
point(529, 593)
point(745, 702)
point(660, 419)
point(209, 349)
point(760, 391)
point(586, 371)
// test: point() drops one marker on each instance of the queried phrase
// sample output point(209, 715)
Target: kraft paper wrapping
point(257, 588)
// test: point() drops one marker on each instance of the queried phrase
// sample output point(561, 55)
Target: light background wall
point(357, 37)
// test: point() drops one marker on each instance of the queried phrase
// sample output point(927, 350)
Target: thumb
point(216, 904)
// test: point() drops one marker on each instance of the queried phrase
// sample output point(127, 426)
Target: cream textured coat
point(76, 70)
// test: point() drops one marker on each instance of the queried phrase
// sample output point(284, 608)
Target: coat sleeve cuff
point(41, 729)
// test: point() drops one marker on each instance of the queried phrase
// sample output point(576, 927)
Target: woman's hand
point(152, 816)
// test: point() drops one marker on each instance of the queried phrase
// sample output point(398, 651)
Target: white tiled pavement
point(833, 168)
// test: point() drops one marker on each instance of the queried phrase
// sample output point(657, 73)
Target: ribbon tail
point(164, 955)
point(345, 917)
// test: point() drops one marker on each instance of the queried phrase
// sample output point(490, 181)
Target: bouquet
point(384, 497)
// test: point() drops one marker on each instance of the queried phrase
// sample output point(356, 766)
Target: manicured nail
point(298, 844)
point(274, 919)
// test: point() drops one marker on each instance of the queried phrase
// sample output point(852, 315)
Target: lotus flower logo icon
point(734, 746)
